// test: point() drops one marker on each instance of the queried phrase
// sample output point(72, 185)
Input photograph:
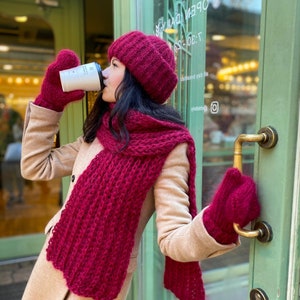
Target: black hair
point(129, 95)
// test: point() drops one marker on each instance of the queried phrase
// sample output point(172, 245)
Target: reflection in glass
point(25, 51)
point(230, 95)
point(231, 83)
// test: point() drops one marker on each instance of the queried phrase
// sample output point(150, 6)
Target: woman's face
point(113, 76)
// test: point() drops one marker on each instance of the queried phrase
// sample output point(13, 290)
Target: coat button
point(73, 178)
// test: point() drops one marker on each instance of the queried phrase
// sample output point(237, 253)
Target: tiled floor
point(13, 278)
point(12, 291)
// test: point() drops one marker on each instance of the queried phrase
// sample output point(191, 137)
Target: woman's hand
point(235, 201)
point(52, 95)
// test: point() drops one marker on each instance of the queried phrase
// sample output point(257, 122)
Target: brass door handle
point(267, 138)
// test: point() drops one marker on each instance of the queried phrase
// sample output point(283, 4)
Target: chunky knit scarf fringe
point(92, 242)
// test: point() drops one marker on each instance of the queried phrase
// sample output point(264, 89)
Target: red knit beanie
point(150, 60)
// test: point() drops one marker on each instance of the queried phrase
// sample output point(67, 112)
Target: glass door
point(216, 44)
point(231, 91)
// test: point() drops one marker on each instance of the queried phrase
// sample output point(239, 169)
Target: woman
point(135, 157)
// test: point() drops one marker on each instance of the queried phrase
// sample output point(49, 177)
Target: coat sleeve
point(179, 236)
point(40, 161)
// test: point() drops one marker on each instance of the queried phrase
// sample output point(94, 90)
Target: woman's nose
point(105, 73)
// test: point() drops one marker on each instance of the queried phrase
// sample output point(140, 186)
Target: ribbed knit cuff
point(41, 102)
point(222, 234)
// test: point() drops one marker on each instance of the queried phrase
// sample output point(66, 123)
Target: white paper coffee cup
point(87, 77)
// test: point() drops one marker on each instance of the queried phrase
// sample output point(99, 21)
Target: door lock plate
point(265, 231)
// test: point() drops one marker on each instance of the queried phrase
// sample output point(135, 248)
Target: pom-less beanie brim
point(150, 60)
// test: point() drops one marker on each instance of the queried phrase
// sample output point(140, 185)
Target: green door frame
point(125, 16)
point(61, 19)
point(278, 105)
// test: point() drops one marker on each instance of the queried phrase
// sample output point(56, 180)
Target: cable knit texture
point(92, 242)
point(52, 95)
point(150, 60)
point(235, 201)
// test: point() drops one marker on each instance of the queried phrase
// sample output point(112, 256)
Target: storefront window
point(26, 48)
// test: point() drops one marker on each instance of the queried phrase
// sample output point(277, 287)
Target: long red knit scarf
point(92, 242)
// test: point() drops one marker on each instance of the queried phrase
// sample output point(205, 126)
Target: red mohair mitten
point(52, 95)
point(235, 201)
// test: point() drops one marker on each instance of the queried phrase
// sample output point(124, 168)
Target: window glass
point(26, 49)
point(232, 50)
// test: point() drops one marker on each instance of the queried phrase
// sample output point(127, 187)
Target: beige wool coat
point(179, 236)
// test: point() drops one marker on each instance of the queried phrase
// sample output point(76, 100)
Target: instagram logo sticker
point(214, 107)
